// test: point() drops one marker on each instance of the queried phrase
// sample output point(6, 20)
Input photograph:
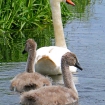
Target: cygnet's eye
point(28, 45)
point(45, 84)
point(74, 56)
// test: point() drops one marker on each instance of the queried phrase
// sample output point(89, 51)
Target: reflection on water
point(85, 38)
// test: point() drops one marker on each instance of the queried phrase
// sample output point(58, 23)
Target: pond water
point(85, 37)
point(87, 41)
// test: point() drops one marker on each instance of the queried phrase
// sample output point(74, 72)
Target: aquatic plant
point(22, 19)
point(24, 14)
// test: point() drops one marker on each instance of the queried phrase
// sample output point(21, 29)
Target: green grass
point(29, 14)
point(24, 14)
point(23, 19)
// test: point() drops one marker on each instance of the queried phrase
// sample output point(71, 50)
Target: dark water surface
point(85, 37)
point(87, 40)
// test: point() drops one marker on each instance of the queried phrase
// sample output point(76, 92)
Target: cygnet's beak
point(23, 52)
point(78, 66)
point(70, 2)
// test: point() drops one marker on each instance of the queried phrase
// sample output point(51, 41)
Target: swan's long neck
point(67, 77)
point(57, 22)
point(31, 61)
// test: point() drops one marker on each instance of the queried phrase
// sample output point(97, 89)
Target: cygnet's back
point(29, 79)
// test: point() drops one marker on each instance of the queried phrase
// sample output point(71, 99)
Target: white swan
point(30, 79)
point(56, 95)
point(48, 59)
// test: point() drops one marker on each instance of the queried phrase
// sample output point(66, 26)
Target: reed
point(23, 19)
point(29, 14)
point(24, 14)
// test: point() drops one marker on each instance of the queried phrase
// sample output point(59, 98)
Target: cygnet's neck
point(67, 77)
point(31, 61)
point(57, 22)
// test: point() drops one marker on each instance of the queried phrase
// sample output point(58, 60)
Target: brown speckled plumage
point(55, 95)
point(29, 79)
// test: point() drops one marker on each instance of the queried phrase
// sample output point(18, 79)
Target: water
point(85, 37)
point(7, 72)
point(87, 41)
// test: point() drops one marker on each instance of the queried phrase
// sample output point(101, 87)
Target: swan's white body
point(48, 59)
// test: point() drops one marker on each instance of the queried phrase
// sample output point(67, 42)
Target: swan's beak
point(70, 2)
point(23, 52)
point(78, 66)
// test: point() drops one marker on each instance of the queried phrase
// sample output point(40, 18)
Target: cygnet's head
point(30, 45)
point(71, 60)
